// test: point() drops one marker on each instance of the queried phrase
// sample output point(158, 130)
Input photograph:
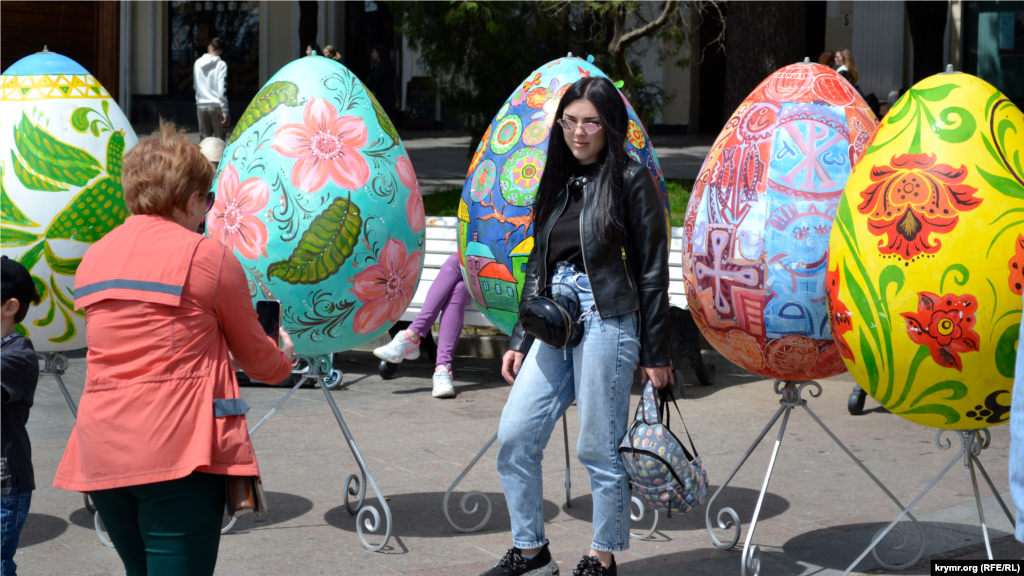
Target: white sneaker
point(443, 383)
point(402, 347)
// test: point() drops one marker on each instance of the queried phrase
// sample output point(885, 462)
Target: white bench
point(443, 241)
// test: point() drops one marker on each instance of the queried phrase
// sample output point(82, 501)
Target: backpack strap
point(664, 413)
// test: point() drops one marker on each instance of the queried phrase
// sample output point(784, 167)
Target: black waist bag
point(554, 318)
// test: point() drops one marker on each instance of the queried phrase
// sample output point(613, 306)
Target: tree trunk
point(760, 37)
point(927, 22)
point(623, 39)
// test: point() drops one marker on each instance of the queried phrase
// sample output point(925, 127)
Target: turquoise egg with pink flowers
point(496, 212)
point(316, 196)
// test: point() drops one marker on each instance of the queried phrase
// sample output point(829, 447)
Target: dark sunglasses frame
point(210, 199)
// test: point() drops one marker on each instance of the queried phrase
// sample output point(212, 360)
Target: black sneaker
point(513, 564)
point(591, 566)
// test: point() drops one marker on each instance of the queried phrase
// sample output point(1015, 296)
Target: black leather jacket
point(627, 273)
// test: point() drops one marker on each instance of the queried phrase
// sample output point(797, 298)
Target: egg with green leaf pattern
point(924, 280)
point(317, 197)
point(63, 139)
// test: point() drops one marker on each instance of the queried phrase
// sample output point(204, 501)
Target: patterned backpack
point(664, 473)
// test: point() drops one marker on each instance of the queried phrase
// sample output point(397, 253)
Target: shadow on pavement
point(41, 528)
point(283, 507)
point(419, 515)
point(836, 547)
point(742, 500)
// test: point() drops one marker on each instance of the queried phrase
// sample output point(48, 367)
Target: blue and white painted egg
point(62, 140)
point(318, 199)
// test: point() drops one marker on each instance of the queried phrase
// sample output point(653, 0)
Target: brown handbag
point(244, 494)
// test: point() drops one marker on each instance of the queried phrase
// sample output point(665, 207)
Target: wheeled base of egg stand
point(635, 516)
point(972, 442)
point(320, 370)
point(750, 561)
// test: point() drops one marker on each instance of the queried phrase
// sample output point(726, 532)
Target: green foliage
point(678, 198)
point(51, 158)
point(444, 202)
point(324, 246)
point(478, 52)
point(9, 211)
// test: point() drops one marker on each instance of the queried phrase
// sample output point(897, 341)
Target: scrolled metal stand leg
point(878, 482)
point(640, 516)
point(468, 495)
point(97, 523)
point(966, 441)
point(734, 521)
point(751, 559)
point(977, 500)
point(375, 524)
point(568, 480)
point(991, 486)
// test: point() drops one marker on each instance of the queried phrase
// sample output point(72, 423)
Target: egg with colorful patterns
point(756, 231)
point(63, 139)
point(925, 277)
point(317, 197)
point(496, 211)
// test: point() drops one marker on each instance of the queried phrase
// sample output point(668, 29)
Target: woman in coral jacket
point(161, 422)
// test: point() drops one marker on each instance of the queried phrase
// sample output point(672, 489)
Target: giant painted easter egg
point(62, 139)
point(759, 218)
point(496, 211)
point(925, 276)
point(318, 199)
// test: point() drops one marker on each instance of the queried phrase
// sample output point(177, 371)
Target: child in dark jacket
point(19, 372)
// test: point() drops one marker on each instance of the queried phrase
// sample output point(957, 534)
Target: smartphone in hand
point(269, 313)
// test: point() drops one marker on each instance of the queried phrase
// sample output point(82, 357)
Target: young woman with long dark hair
point(600, 228)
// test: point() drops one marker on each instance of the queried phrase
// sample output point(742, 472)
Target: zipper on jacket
point(547, 238)
point(583, 247)
point(626, 267)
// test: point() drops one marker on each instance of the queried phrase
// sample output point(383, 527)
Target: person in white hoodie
point(210, 75)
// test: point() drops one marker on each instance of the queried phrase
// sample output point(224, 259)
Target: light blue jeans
point(597, 374)
point(1016, 462)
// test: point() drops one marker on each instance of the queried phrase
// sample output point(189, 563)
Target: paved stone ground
point(819, 513)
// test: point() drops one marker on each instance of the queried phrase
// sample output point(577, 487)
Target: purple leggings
point(447, 294)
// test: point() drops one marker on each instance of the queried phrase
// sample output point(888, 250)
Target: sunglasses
point(210, 199)
point(589, 128)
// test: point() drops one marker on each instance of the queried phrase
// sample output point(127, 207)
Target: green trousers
point(166, 528)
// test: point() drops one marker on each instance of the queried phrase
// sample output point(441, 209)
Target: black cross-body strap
point(664, 414)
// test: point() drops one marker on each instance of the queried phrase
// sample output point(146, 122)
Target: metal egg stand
point(791, 392)
point(634, 516)
point(318, 369)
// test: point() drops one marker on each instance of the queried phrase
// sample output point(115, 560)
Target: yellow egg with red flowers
point(924, 276)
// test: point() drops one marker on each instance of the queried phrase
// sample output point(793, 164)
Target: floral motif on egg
point(481, 148)
point(326, 146)
point(838, 312)
point(385, 288)
point(945, 324)
point(911, 199)
point(521, 176)
point(506, 134)
point(483, 180)
point(1016, 266)
point(636, 136)
point(234, 219)
point(535, 133)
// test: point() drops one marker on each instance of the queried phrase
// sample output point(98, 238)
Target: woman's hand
point(511, 362)
point(659, 375)
point(286, 342)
